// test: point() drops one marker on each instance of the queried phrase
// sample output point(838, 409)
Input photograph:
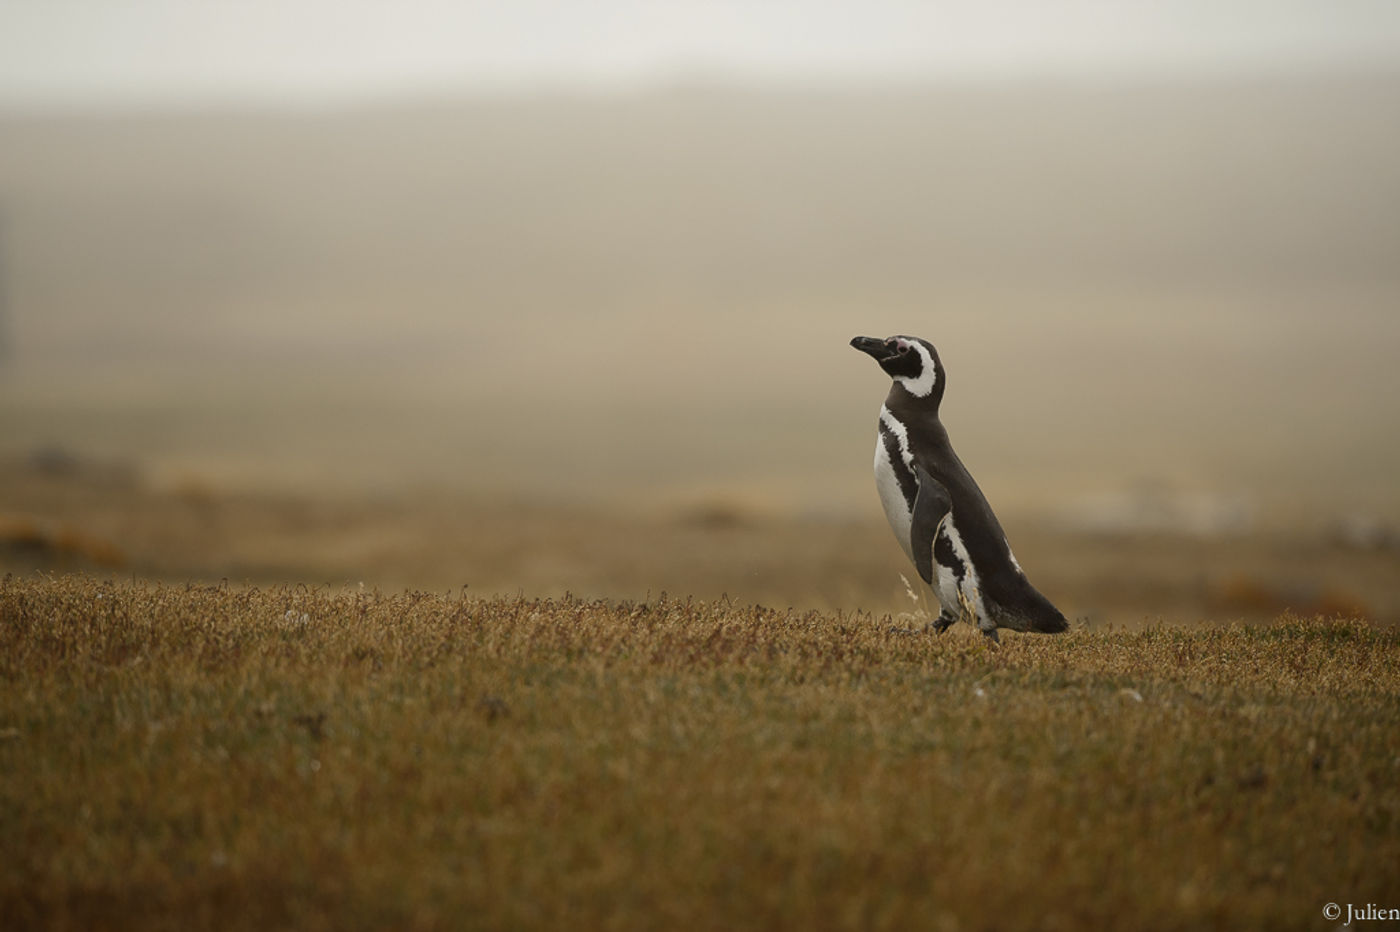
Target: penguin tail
point(1044, 617)
point(1051, 622)
point(1032, 612)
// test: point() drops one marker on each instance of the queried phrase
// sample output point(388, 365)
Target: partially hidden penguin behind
point(936, 510)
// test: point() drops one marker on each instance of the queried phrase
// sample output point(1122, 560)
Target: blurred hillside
point(71, 516)
point(1191, 285)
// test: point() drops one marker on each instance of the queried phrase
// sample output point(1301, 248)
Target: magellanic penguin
point(936, 509)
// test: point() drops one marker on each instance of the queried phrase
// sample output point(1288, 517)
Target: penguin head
point(912, 363)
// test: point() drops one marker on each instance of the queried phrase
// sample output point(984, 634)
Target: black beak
point(880, 349)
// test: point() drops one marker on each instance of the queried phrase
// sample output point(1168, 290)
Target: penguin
point(937, 512)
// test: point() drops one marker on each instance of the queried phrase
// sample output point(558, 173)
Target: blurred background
point(534, 298)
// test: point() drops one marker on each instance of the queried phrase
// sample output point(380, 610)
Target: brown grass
point(196, 757)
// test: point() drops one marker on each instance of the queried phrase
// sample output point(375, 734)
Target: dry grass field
point(191, 756)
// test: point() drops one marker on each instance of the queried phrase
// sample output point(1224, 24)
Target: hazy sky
point(141, 51)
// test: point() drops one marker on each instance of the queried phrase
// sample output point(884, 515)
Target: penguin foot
point(991, 635)
point(942, 623)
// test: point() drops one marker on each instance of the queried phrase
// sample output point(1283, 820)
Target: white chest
point(892, 497)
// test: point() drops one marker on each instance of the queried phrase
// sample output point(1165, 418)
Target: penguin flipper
point(931, 508)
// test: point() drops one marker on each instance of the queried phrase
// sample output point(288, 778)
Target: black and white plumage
point(936, 510)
